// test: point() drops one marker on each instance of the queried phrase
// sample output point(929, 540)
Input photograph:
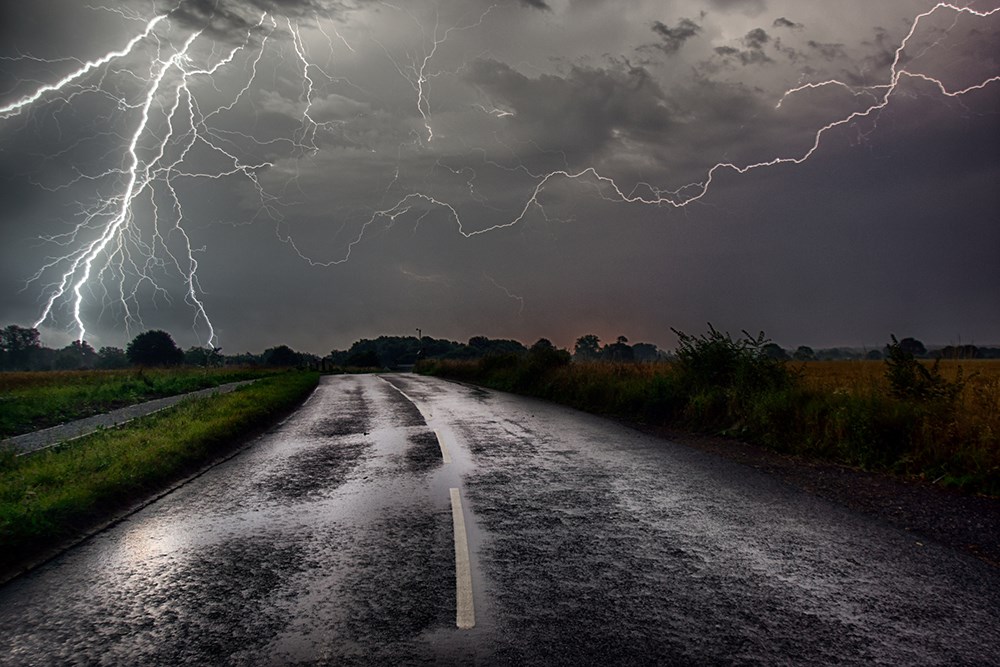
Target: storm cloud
point(673, 38)
point(516, 170)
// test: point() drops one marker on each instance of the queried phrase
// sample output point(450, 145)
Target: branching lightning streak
point(510, 295)
point(693, 192)
point(116, 241)
point(416, 73)
point(644, 193)
point(678, 200)
point(120, 248)
point(25, 102)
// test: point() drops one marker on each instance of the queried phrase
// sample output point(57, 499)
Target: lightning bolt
point(125, 240)
point(644, 193)
point(510, 295)
point(416, 72)
point(129, 243)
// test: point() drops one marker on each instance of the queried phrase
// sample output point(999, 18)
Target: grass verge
point(58, 494)
point(36, 400)
point(844, 412)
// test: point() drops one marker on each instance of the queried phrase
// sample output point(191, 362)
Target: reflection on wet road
point(332, 541)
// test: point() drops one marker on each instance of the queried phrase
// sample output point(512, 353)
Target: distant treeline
point(21, 350)
point(910, 345)
point(397, 351)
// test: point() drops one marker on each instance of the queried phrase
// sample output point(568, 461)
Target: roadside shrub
point(896, 415)
point(911, 380)
point(715, 360)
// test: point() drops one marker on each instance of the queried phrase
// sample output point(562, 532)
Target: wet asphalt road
point(331, 541)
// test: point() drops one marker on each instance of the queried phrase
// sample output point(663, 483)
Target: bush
point(715, 361)
point(911, 380)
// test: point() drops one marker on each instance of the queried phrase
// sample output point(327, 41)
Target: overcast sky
point(311, 172)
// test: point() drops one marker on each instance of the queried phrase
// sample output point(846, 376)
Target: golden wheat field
point(870, 375)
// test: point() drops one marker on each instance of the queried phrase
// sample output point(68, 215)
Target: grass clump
point(51, 496)
point(34, 400)
point(903, 415)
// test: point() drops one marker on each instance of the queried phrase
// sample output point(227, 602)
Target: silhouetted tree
point(17, 347)
point(957, 352)
point(543, 354)
point(109, 358)
point(645, 352)
point(203, 356)
point(364, 359)
point(588, 348)
point(804, 353)
point(154, 348)
point(774, 351)
point(75, 356)
point(281, 356)
point(620, 350)
point(912, 346)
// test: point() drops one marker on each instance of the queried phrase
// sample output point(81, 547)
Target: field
point(35, 400)
point(841, 411)
point(54, 495)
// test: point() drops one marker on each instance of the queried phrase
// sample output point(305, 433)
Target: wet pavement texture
point(330, 541)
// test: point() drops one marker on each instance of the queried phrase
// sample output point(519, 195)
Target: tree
point(911, 346)
point(111, 357)
point(543, 354)
point(804, 353)
point(957, 352)
point(203, 356)
point(364, 359)
point(154, 348)
point(17, 347)
point(588, 348)
point(281, 356)
point(645, 352)
point(75, 356)
point(620, 350)
point(774, 351)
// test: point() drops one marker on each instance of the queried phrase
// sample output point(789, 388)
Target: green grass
point(31, 401)
point(49, 497)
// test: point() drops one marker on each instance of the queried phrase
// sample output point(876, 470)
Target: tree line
point(21, 350)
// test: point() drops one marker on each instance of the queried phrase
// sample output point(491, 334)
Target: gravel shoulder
point(964, 522)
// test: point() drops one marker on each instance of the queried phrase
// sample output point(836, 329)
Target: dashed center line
point(444, 450)
point(465, 613)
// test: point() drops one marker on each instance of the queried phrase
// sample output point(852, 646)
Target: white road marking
point(444, 450)
point(465, 614)
point(425, 415)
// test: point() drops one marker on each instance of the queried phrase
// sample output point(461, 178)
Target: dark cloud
point(756, 39)
point(782, 22)
point(581, 112)
point(827, 51)
point(537, 4)
point(890, 226)
point(674, 38)
point(226, 18)
point(749, 7)
point(753, 53)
